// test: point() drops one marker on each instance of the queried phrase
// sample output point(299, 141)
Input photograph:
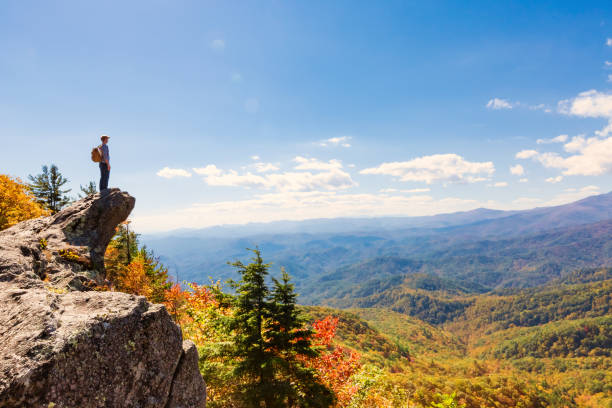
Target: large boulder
point(65, 345)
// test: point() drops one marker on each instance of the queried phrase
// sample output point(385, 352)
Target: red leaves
point(336, 364)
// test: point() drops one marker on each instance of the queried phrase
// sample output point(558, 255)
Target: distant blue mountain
point(488, 248)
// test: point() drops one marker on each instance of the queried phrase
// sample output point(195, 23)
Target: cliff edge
point(64, 345)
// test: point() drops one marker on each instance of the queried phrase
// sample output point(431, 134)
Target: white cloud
point(302, 206)
point(169, 173)
point(412, 190)
point(500, 184)
point(517, 170)
point(608, 64)
point(592, 157)
point(304, 163)
point(609, 42)
point(255, 157)
point(523, 180)
point(450, 168)
point(541, 107)
point(526, 154)
point(328, 176)
point(590, 104)
point(217, 44)
point(498, 103)
point(251, 105)
point(558, 139)
point(265, 167)
point(337, 141)
point(554, 179)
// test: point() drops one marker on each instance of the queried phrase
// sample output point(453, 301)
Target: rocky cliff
point(63, 344)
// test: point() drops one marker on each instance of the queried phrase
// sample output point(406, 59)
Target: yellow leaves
point(133, 279)
point(17, 202)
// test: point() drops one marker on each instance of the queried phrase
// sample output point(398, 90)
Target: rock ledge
point(64, 345)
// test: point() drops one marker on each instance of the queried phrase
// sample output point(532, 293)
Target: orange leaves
point(325, 330)
point(133, 279)
point(175, 300)
point(336, 364)
point(17, 202)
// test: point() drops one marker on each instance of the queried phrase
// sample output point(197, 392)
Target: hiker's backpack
point(96, 155)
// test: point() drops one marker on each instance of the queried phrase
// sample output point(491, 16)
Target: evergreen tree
point(288, 335)
point(126, 242)
point(47, 188)
point(89, 189)
point(254, 359)
point(157, 274)
point(269, 338)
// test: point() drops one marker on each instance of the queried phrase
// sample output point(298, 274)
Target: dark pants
point(104, 173)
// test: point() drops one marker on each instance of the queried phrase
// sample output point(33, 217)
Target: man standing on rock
point(105, 163)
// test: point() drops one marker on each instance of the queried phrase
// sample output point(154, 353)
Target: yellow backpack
point(96, 154)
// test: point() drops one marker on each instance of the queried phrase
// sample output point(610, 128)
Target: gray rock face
point(64, 345)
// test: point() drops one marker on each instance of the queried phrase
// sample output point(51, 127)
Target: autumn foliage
point(17, 203)
point(336, 364)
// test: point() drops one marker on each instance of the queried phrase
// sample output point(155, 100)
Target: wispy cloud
point(412, 190)
point(499, 103)
point(236, 77)
point(558, 139)
point(609, 42)
point(554, 180)
point(304, 205)
point(336, 141)
point(541, 107)
point(570, 195)
point(217, 44)
point(169, 173)
point(500, 184)
point(435, 168)
point(304, 163)
point(265, 167)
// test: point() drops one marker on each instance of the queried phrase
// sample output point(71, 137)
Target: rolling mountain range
point(501, 309)
point(475, 251)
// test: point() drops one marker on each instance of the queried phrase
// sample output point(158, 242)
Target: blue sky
point(233, 112)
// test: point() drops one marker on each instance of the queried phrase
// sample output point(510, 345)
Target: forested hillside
point(535, 347)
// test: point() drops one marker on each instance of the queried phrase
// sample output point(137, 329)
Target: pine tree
point(156, 273)
point(254, 359)
point(288, 335)
point(126, 242)
point(88, 190)
point(270, 342)
point(47, 188)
